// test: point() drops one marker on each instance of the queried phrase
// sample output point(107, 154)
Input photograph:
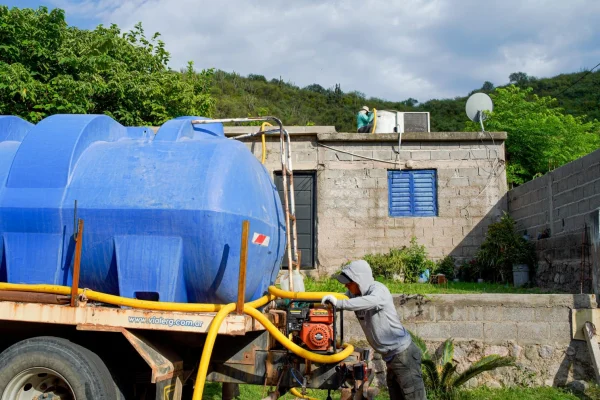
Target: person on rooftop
point(364, 120)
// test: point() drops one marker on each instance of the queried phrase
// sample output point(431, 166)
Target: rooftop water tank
point(386, 122)
point(163, 213)
point(402, 121)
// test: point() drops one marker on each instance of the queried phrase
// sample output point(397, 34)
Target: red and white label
point(260, 239)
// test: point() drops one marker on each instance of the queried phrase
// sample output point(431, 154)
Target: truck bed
point(97, 317)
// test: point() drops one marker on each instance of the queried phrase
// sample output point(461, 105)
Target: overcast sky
point(392, 49)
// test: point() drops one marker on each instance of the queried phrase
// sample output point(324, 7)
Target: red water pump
point(313, 326)
point(317, 333)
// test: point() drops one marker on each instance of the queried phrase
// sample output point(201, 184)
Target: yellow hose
point(53, 289)
point(264, 142)
point(165, 306)
point(127, 302)
point(208, 348)
point(293, 347)
point(260, 302)
point(280, 337)
point(275, 291)
point(374, 120)
point(297, 393)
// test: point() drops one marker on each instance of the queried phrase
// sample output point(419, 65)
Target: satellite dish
point(476, 105)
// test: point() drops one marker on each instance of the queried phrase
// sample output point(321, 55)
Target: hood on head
point(360, 272)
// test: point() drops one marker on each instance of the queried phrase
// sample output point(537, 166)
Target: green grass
point(212, 391)
point(541, 393)
point(332, 285)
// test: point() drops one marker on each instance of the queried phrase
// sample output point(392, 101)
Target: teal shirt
point(364, 119)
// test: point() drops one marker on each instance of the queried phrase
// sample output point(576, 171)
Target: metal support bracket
point(164, 363)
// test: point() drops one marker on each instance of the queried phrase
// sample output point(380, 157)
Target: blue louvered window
point(412, 193)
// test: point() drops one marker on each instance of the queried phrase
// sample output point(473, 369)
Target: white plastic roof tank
point(397, 121)
point(386, 121)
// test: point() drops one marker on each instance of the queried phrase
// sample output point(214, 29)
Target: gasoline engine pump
point(313, 326)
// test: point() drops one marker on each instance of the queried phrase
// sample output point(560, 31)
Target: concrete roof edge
point(292, 130)
point(412, 137)
point(329, 134)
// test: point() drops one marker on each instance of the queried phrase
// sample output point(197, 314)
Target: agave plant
point(440, 372)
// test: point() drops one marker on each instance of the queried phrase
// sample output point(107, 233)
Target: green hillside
point(314, 104)
point(583, 98)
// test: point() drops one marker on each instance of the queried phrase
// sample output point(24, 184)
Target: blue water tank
point(163, 213)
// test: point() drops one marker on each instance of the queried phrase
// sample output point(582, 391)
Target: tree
point(487, 86)
point(410, 102)
point(316, 88)
point(47, 67)
point(502, 248)
point(539, 132)
point(255, 77)
point(518, 77)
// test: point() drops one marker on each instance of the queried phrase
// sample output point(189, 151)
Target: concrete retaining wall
point(535, 329)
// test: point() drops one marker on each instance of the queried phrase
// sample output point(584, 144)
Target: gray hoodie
point(375, 311)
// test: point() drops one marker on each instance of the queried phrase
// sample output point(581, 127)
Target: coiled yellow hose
point(280, 337)
point(293, 347)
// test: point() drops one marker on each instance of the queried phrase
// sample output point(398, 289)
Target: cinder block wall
point(352, 189)
point(535, 329)
point(353, 194)
point(560, 202)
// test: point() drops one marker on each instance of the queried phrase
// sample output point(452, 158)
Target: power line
point(578, 80)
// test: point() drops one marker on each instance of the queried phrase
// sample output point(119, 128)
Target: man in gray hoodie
point(374, 307)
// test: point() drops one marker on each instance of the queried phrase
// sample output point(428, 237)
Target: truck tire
point(53, 366)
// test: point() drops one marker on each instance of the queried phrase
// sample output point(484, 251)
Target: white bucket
point(297, 280)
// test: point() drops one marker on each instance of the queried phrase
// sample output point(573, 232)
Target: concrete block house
point(367, 193)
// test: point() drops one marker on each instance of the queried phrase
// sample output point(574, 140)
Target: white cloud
point(390, 49)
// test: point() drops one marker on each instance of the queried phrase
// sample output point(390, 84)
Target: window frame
point(411, 192)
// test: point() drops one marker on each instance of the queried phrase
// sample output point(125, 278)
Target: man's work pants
point(404, 377)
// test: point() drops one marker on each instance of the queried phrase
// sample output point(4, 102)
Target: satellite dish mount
point(476, 105)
